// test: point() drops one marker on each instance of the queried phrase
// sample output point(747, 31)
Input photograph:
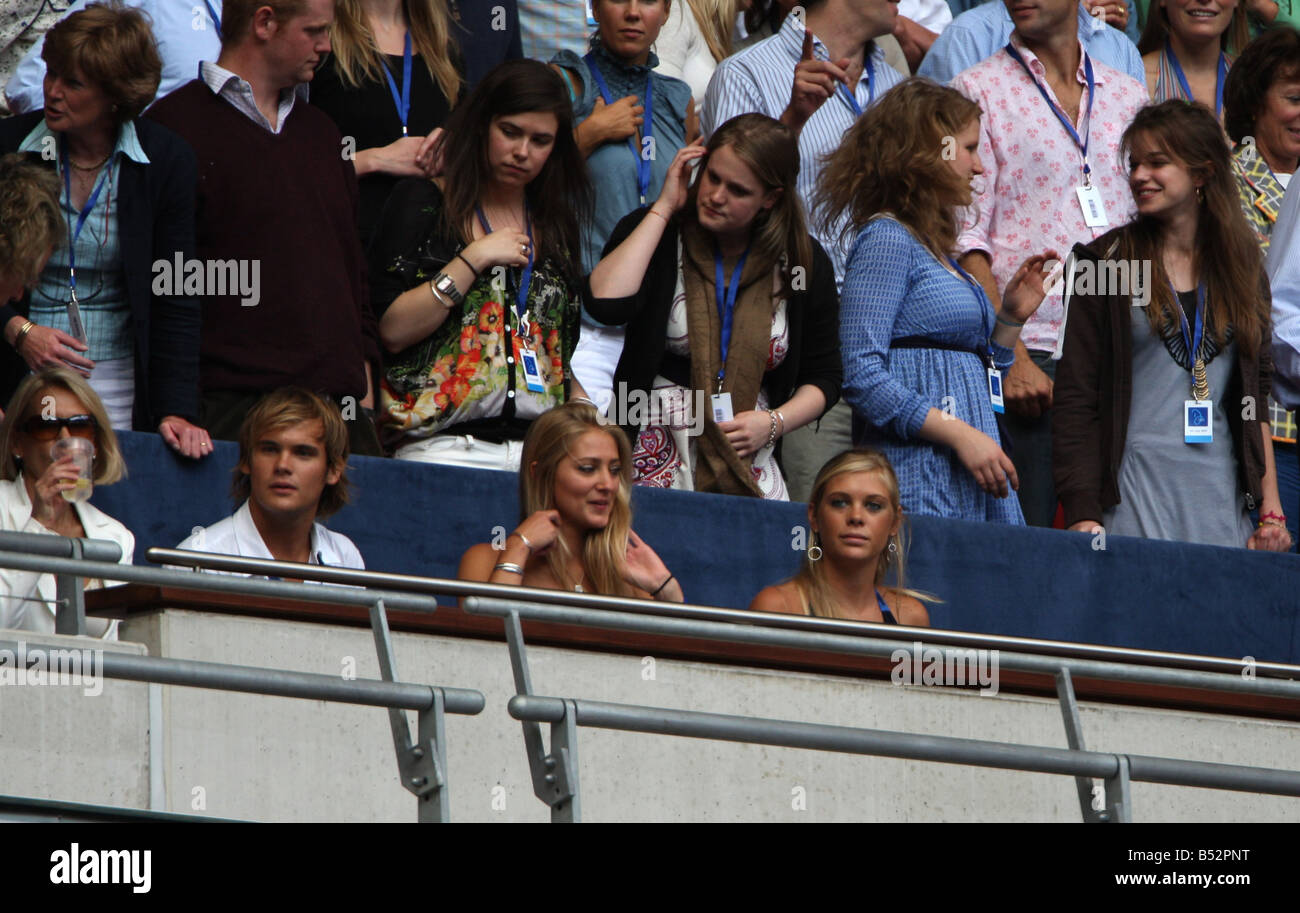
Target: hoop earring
point(891, 553)
point(815, 552)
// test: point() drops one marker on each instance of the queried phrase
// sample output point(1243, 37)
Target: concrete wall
point(245, 756)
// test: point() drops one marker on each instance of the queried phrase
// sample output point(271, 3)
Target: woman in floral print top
point(464, 378)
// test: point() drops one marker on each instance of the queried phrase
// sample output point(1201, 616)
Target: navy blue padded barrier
point(418, 519)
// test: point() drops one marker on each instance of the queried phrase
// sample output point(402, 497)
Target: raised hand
point(1025, 290)
point(678, 180)
point(814, 83)
point(540, 530)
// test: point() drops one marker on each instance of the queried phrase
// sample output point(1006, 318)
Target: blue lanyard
point(1060, 115)
point(526, 278)
point(1191, 339)
point(982, 299)
point(647, 125)
point(74, 234)
point(726, 298)
point(216, 20)
point(851, 97)
point(402, 101)
point(1182, 80)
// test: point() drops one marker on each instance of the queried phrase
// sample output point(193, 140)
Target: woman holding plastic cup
point(46, 473)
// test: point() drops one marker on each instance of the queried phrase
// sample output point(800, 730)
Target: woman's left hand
point(645, 570)
point(1270, 538)
point(747, 432)
point(186, 439)
point(1025, 290)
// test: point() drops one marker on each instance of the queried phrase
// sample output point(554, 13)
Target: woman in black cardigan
point(134, 181)
point(734, 312)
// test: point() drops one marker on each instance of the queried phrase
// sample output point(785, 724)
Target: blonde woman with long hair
point(391, 79)
point(575, 476)
point(856, 521)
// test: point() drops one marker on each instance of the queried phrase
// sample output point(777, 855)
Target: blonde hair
point(892, 161)
point(815, 594)
point(716, 19)
point(547, 444)
point(357, 53)
point(26, 402)
point(31, 221)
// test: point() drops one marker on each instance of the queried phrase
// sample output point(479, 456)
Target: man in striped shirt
point(816, 79)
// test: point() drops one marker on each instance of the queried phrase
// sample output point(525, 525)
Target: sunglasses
point(47, 429)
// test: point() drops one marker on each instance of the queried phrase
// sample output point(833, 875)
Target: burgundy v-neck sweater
point(289, 202)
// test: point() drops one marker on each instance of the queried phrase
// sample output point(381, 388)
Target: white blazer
point(27, 598)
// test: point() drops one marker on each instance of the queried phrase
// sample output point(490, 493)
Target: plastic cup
point(82, 452)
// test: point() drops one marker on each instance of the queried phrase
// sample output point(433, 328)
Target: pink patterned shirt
point(1032, 167)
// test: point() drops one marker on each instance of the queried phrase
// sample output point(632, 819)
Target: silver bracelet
point(510, 568)
point(524, 539)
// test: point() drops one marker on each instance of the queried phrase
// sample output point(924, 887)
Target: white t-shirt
point(238, 535)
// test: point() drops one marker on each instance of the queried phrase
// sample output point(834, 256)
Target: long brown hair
point(892, 161)
point(357, 54)
point(559, 198)
point(1232, 41)
point(770, 150)
point(1227, 257)
point(547, 444)
point(815, 594)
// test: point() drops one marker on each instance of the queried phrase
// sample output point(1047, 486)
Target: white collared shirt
point(236, 90)
point(237, 535)
point(26, 597)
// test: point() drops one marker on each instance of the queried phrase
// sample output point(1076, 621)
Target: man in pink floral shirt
point(1031, 199)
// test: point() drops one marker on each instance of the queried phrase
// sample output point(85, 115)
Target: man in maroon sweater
point(280, 268)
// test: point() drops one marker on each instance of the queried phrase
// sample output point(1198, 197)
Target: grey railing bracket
point(1089, 792)
point(421, 765)
point(554, 773)
point(1119, 804)
point(70, 597)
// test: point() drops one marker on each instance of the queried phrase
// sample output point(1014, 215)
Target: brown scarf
point(717, 467)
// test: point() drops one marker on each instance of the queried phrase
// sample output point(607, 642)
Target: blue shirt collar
point(128, 142)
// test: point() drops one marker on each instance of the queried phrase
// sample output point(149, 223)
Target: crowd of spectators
point(715, 245)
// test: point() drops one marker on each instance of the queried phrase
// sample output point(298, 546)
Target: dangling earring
point(1200, 194)
point(815, 553)
point(892, 552)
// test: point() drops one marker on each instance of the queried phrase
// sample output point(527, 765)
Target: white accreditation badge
point(995, 391)
point(722, 411)
point(1094, 210)
point(1198, 421)
point(527, 358)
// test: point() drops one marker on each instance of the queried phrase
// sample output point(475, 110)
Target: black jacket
point(155, 213)
point(813, 314)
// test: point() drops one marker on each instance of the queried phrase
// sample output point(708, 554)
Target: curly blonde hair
point(893, 161)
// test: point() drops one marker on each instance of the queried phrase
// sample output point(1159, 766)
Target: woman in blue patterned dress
point(922, 345)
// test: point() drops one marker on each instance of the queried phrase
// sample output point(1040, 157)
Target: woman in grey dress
point(1160, 421)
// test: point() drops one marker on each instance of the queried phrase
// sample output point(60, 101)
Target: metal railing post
point(1074, 738)
point(70, 598)
point(420, 767)
point(1119, 802)
point(554, 773)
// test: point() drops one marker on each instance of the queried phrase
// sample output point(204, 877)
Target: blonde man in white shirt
point(292, 470)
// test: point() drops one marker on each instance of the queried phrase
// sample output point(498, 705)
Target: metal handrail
point(865, 644)
point(645, 607)
point(942, 749)
point(556, 775)
point(422, 762)
point(195, 673)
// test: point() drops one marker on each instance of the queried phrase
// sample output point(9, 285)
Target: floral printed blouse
point(465, 370)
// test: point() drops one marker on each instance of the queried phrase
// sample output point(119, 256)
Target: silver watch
point(444, 285)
